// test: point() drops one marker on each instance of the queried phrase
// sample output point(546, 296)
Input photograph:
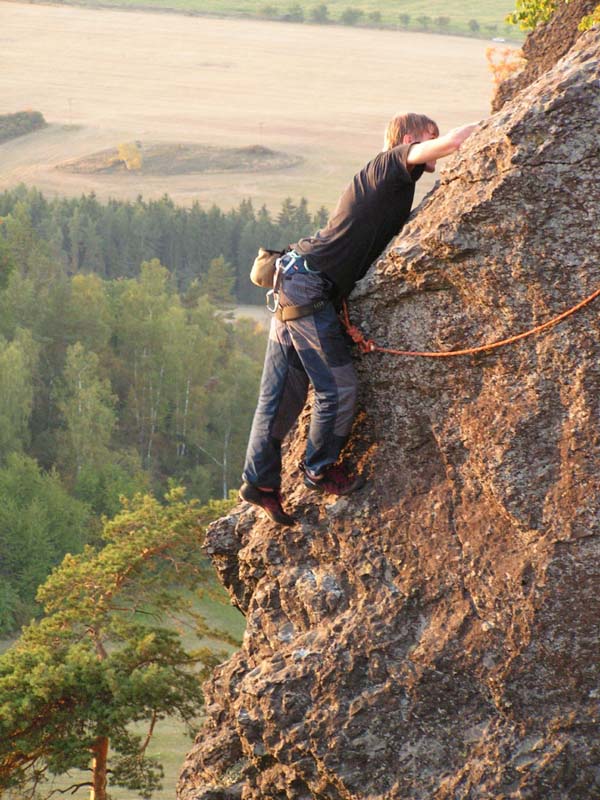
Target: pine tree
point(100, 659)
point(217, 283)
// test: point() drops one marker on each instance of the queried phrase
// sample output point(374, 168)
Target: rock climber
point(306, 341)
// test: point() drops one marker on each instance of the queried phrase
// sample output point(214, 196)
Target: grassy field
point(319, 93)
point(456, 15)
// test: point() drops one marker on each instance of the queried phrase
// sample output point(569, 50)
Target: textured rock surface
point(545, 46)
point(436, 635)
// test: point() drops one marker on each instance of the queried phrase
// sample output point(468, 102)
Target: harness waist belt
point(286, 313)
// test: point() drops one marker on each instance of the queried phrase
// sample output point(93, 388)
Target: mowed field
point(104, 77)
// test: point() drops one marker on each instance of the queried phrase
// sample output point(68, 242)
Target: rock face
point(436, 635)
point(545, 46)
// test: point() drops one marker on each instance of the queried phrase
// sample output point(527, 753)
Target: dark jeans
point(313, 349)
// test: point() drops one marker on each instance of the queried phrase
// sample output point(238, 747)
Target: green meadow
point(483, 19)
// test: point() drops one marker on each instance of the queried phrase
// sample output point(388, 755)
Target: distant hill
point(13, 125)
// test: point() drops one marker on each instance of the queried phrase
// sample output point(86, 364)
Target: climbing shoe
point(335, 479)
point(270, 502)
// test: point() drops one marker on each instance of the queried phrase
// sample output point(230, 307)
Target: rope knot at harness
point(365, 345)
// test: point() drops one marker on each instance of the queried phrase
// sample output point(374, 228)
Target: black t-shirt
point(371, 211)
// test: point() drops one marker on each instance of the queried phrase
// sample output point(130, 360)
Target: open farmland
point(320, 94)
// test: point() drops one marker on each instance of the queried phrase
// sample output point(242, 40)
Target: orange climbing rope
point(370, 346)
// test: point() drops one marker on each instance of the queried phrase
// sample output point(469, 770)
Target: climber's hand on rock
point(458, 135)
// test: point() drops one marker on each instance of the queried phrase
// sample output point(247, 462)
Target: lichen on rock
point(435, 636)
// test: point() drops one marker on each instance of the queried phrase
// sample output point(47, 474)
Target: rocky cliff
point(545, 46)
point(436, 635)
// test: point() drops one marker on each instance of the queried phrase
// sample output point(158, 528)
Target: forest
point(113, 239)
point(122, 368)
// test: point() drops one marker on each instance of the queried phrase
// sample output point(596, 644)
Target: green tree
point(6, 260)
point(102, 487)
point(268, 11)
point(217, 283)
point(17, 370)
point(301, 220)
point(474, 25)
point(85, 244)
point(232, 401)
point(320, 218)
point(295, 13)
point(141, 309)
point(36, 275)
point(87, 316)
point(351, 16)
point(87, 407)
point(319, 14)
point(28, 250)
point(39, 523)
point(286, 214)
point(102, 657)
point(193, 348)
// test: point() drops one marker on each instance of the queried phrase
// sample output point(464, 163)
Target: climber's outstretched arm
point(429, 150)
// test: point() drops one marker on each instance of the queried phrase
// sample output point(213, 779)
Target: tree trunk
point(225, 454)
point(99, 768)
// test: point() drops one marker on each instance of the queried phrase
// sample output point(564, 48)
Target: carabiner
point(273, 296)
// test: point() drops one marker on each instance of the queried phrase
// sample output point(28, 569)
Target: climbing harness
point(287, 264)
point(370, 346)
point(287, 313)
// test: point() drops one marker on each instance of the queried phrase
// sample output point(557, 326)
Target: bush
point(294, 14)
point(531, 13)
point(442, 22)
point(268, 11)
point(474, 25)
point(13, 125)
point(374, 17)
point(590, 20)
point(131, 155)
point(424, 21)
point(351, 16)
point(503, 62)
point(404, 20)
point(319, 14)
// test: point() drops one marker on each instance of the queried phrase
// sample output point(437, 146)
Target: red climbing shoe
point(270, 502)
point(335, 479)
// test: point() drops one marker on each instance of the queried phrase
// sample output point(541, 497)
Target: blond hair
point(403, 124)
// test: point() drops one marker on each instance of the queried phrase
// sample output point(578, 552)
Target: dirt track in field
point(105, 77)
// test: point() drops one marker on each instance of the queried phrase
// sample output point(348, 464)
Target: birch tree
point(87, 406)
point(18, 360)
